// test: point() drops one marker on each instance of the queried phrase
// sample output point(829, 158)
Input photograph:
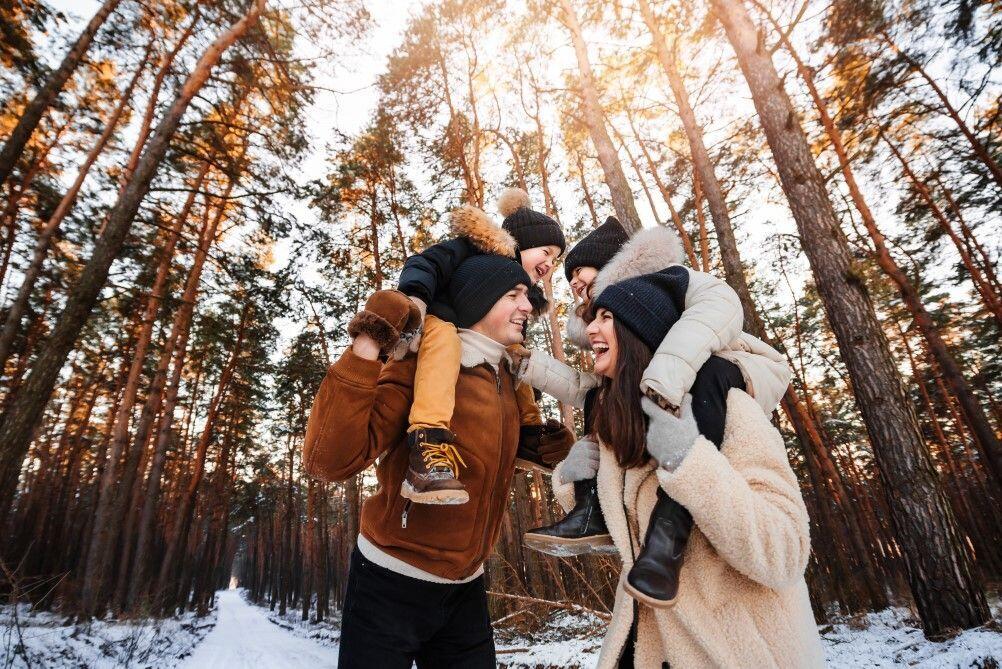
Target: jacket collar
point(477, 349)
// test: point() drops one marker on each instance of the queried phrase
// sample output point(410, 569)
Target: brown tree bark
point(23, 415)
point(615, 178)
point(49, 91)
point(176, 542)
point(985, 435)
point(15, 314)
point(942, 578)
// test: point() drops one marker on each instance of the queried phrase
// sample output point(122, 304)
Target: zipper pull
point(403, 516)
point(497, 378)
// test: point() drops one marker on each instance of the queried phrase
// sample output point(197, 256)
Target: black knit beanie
point(649, 304)
point(597, 247)
point(530, 228)
point(479, 282)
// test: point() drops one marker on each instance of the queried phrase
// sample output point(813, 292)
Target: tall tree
point(49, 91)
point(22, 416)
point(943, 581)
point(594, 117)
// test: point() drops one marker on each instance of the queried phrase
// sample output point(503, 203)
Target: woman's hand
point(581, 462)
point(669, 439)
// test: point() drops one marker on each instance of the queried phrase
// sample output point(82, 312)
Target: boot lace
point(441, 455)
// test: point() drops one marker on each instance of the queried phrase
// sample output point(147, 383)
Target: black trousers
point(392, 621)
point(709, 407)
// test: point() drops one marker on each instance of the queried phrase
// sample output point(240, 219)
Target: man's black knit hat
point(649, 304)
point(529, 228)
point(479, 282)
point(597, 248)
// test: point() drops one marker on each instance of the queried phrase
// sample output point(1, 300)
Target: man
point(415, 585)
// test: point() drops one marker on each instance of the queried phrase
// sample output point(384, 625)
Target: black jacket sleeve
point(426, 274)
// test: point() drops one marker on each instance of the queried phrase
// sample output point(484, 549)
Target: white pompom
point(511, 199)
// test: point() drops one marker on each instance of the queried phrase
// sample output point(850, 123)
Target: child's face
point(539, 260)
point(581, 281)
point(602, 337)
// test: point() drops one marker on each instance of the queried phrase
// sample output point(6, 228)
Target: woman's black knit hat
point(529, 228)
point(649, 304)
point(597, 247)
point(479, 282)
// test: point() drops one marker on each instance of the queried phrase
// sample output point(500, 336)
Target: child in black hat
point(529, 236)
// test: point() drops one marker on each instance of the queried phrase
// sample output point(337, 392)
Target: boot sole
point(564, 547)
point(647, 599)
point(436, 497)
point(528, 466)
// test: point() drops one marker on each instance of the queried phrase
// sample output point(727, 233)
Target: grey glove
point(581, 462)
point(410, 341)
point(670, 438)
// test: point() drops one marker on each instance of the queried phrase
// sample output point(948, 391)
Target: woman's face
point(602, 337)
point(581, 280)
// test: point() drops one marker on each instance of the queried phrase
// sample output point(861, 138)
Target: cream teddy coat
point(742, 599)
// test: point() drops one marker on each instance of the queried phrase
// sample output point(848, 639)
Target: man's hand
point(387, 314)
point(366, 347)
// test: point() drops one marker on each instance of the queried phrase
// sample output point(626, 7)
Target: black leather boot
point(653, 579)
point(581, 531)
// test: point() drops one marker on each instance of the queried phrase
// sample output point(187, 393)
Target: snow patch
point(43, 639)
point(891, 638)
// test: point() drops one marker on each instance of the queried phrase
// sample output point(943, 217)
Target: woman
point(742, 599)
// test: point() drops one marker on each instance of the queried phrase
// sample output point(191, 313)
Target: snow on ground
point(41, 639)
point(244, 637)
point(889, 638)
point(239, 635)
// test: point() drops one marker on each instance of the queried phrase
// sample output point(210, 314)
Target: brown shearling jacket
point(360, 414)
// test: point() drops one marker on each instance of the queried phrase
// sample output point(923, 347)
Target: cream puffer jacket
point(764, 370)
point(742, 599)
point(710, 324)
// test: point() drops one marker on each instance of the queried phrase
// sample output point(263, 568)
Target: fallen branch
point(567, 606)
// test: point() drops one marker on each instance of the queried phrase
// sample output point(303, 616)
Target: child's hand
point(581, 462)
point(669, 439)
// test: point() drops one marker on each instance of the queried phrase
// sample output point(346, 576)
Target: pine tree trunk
point(941, 575)
point(17, 309)
point(985, 436)
point(615, 178)
point(47, 95)
point(23, 415)
point(179, 537)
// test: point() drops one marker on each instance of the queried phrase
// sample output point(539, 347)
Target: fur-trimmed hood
point(475, 225)
point(650, 250)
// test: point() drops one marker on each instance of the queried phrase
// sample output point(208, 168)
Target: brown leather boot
point(433, 468)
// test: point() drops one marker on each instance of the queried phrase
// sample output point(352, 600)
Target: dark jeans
point(391, 621)
point(709, 407)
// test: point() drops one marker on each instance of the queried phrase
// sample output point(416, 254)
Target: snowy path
point(243, 637)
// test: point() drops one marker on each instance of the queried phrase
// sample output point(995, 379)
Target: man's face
point(505, 322)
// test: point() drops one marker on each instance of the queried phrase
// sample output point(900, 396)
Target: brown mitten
point(544, 445)
point(554, 443)
point(386, 316)
point(410, 340)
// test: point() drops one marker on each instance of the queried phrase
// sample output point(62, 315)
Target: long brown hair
point(618, 419)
